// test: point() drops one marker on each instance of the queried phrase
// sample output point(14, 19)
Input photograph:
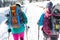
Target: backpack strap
point(17, 13)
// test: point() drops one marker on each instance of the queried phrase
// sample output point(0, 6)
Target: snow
point(33, 13)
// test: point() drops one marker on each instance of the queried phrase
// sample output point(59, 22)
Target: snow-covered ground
point(33, 13)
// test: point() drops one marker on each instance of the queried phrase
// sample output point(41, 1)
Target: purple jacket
point(47, 25)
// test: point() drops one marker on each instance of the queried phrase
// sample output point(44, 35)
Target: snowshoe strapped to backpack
point(55, 19)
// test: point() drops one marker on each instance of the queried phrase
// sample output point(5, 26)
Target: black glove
point(28, 27)
point(7, 15)
point(9, 30)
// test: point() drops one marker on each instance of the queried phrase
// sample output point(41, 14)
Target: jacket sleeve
point(40, 22)
point(8, 22)
point(24, 18)
point(26, 21)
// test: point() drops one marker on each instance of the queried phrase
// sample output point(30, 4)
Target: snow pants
point(18, 36)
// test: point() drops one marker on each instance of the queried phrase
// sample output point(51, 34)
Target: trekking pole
point(38, 32)
point(9, 30)
point(27, 31)
point(8, 35)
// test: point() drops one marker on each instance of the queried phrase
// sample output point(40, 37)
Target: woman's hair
point(49, 6)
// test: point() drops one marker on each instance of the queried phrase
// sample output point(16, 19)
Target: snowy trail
point(33, 13)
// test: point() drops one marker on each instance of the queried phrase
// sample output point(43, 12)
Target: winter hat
point(49, 5)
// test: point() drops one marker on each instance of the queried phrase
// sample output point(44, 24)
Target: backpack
point(16, 17)
point(56, 18)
